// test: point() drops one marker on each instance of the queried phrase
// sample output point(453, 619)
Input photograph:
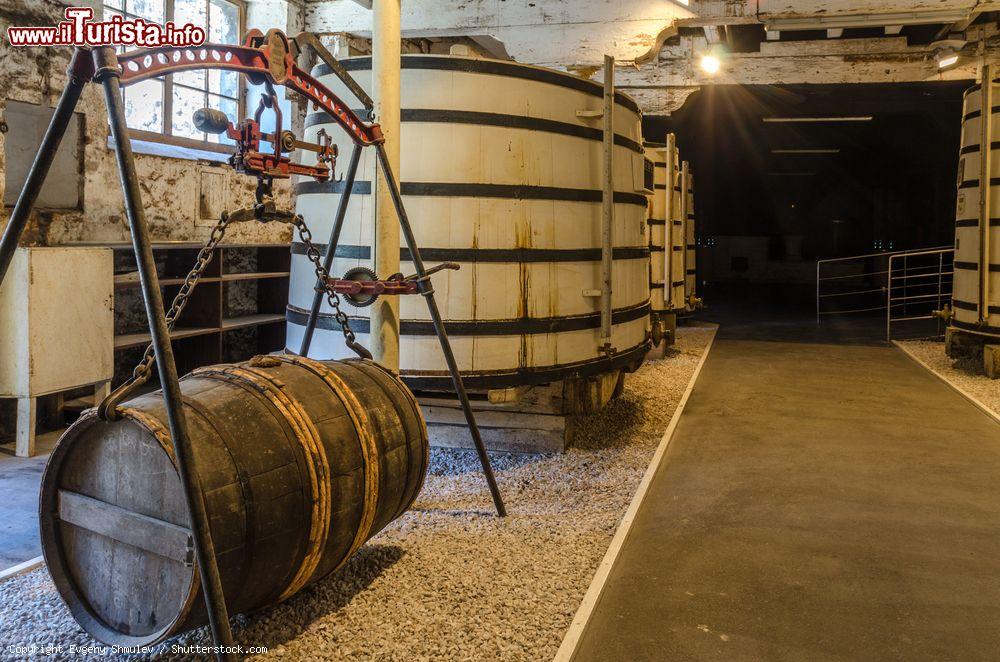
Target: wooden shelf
point(203, 327)
point(127, 280)
point(251, 320)
point(260, 275)
point(127, 340)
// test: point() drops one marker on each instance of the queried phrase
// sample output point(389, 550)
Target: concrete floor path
point(818, 501)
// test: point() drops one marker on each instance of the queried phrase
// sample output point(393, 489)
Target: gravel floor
point(967, 375)
point(447, 580)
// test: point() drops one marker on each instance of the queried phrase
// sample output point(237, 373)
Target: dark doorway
point(786, 175)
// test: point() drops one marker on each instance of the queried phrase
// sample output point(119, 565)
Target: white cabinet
point(56, 327)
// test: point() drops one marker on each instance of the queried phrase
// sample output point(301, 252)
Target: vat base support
point(530, 419)
point(982, 351)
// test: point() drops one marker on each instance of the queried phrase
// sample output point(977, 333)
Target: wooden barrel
point(301, 462)
point(500, 172)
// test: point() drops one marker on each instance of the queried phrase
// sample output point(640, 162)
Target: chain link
point(332, 298)
point(142, 372)
point(181, 298)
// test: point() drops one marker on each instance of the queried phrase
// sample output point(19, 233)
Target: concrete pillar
point(385, 78)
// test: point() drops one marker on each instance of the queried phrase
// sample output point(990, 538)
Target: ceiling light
point(853, 118)
point(710, 64)
point(946, 59)
point(805, 151)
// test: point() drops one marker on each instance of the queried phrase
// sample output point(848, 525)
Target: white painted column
point(385, 78)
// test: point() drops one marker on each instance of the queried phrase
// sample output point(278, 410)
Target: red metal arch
point(271, 61)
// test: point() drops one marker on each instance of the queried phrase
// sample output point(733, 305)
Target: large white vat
point(976, 294)
point(501, 174)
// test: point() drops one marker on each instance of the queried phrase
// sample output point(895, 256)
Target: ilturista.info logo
point(79, 29)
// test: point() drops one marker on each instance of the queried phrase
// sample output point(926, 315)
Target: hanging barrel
point(501, 172)
point(976, 293)
point(300, 461)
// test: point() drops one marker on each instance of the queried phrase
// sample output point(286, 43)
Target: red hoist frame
point(269, 60)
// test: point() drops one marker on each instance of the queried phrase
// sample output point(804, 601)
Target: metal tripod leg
point(106, 72)
point(43, 160)
point(331, 248)
point(428, 292)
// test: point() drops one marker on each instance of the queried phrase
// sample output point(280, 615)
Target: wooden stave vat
point(690, 249)
point(509, 343)
point(968, 239)
point(678, 241)
point(659, 290)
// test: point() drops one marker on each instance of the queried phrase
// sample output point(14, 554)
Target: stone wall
point(169, 185)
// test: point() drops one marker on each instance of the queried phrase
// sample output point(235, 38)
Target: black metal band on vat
point(494, 67)
point(482, 380)
point(473, 190)
point(974, 266)
point(491, 255)
point(970, 306)
point(974, 183)
point(475, 118)
point(502, 327)
point(975, 328)
point(974, 223)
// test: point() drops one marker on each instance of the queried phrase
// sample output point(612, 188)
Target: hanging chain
point(332, 297)
point(107, 410)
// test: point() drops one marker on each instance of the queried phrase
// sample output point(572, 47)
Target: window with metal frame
point(161, 109)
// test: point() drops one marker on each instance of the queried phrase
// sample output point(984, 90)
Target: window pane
point(191, 11)
point(107, 13)
point(117, 4)
point(224, 22)
point(193, 78)
point(144, 105)
point(228, 106)
point(186, 102)
point(225, 83)
point(151, 10)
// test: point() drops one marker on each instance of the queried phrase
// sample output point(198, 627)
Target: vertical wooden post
point(27, 417)
point(384, 334)
point(985, 204)
point(101, 391)
point(608, 206)
point(684, 230)
point(668, 228)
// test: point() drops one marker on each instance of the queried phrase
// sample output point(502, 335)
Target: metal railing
point(917, 287)
point(898, 285)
